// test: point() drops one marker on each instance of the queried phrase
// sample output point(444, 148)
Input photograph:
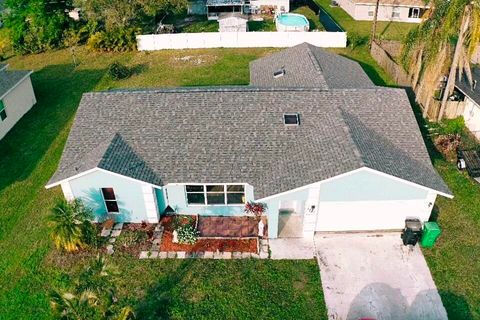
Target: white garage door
point(369, 215)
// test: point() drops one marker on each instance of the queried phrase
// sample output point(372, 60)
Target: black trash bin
point(412, 232)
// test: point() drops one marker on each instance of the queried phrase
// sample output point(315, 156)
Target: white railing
point(240, 40)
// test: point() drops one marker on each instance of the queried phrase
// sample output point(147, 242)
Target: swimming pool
point(292, 22)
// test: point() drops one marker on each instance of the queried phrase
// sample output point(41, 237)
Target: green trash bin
point(431, 231)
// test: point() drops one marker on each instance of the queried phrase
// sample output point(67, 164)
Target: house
point(466, 102)
point(213, 8)
point(315, 140)
point(16, 97)
point(388, 10)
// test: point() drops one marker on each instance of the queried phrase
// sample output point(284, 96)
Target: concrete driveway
point(374, 276)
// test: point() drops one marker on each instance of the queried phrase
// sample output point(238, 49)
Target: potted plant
point(257, 209)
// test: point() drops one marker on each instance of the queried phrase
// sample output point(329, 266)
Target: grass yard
point(30, 267)
point(311, 16)
point(385, 30)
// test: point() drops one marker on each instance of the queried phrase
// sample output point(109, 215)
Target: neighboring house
point(312, 137)
point(16, 97)
point(388, 10)
point(213, 8)
point(469, 106)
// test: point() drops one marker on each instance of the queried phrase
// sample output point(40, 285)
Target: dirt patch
point(194, 60)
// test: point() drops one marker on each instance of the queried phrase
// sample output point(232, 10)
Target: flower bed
point(134, 238)
point(203, 244)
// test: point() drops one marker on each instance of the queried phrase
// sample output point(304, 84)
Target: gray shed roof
point(10, 79)
point(308, 66)
point(236, 134)
point(467, 88)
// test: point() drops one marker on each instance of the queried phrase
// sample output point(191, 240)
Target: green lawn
point(30, 267)
point(311, 16)
point(385, 30)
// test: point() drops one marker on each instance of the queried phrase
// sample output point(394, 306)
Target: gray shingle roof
point(465, 86)
point(10, 79)
point(308, 66)
point(236, 134)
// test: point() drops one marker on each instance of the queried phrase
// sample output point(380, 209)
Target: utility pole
point(374, 25)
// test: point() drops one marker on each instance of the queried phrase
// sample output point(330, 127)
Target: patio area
point(228, 227)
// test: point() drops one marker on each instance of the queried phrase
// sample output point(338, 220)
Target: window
point(291, 119)
point(414, 13)
point(396, 12)
point(3, 112)
point(215, 194)
point(110, 200)
point(371, 11)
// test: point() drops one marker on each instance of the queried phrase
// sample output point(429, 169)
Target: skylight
point(291, 119)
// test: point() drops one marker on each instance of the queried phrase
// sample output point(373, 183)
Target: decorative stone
point(116, 233)
point(236, 255)
point(175, 236)
point(181, 255)
point(105, 232)
point(157, 234)
point(217, 255)
point(171, 255)
point(264, 247)
point(261, 227)
point(263, 255)
point(246, 255)
point(158, 228)
point(227, 255)
point(156, 242)
point(155, 248)
point(118, 226)
point(255, 255)
point(153, 254)
point(112, 240)
point(195, 255)
point(208, 255)
point(143, 254)
point(162, 255)
point(110, 250)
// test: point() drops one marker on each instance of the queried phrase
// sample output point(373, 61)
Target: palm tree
point(428, 47)
point(68, 219)
point(71, 306)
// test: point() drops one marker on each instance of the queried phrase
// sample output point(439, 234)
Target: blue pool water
point(294, 20)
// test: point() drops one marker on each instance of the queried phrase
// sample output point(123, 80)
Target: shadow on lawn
point(58, 89)
point(457, 307)
point(159, 297)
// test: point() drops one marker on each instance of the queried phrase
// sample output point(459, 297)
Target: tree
point(94, 296)
point(36, 25)
point(374, 24)
point(71, 225)
point(451, 26)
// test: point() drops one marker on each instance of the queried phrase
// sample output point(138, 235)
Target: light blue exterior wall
point(273, 205)
point(177, 199)
point(129, 195)
point(369, 186)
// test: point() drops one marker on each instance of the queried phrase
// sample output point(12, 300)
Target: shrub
point(453, 126)
point(356, 40)
point(131, 238)
point(118, 71)
point(116, 40)
point(180, 220)
point(257, 209)
point(69, 220)
point(187, 234)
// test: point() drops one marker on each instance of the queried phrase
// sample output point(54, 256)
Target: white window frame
point(417, 10)
point(105, 201)
point(371, 11)
point(225, 192)
point(395, 12)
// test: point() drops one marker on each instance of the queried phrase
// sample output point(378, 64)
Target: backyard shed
point(232, 22)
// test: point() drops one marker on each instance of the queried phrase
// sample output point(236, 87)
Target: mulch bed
point(129, 231)
point(202, 245)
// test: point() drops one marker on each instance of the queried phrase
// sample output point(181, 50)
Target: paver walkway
point(227, 226)
point(376, 276)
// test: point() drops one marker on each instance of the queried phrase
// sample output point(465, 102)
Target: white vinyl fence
point(323, 39)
